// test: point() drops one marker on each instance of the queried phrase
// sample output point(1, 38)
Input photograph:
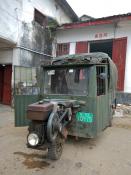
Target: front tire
point(52, 130)
point(55, 148)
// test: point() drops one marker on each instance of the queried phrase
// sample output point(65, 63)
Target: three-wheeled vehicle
point(78, 99)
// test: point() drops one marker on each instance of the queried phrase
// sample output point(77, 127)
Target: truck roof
point(92, 54)
point(87, 58)
point(80, 59)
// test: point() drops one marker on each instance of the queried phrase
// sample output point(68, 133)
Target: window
point(40, 18)
point(101, 80)
point(63, 49)
point(26, 81)
point(67, 81)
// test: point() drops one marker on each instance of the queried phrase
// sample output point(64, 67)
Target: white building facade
point(111, 35)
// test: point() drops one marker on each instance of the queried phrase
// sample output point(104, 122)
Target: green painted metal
point(98, 105)
point(102, 113)
point(21, 103)
point(86, 130)
point(77, 128)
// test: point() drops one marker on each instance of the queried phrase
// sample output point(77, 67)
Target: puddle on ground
point(31, 161)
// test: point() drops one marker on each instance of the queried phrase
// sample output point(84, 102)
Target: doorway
point(102, 46)
point(5, 84)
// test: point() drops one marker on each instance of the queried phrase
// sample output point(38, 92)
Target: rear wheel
point(55, 148)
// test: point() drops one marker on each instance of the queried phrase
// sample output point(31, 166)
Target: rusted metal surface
point(38, 111)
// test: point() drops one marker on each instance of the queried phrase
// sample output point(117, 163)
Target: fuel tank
point(38, 111)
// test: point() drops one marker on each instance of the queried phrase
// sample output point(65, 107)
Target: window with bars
point(62, 49)
point(101, 80)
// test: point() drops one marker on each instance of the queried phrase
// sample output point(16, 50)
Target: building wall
point(124, 29)
point(83, 34)
point(47, 7)
point(13, 14)
point(100, 32)
point(18, 26)
point(6, 56)
point(10, 19)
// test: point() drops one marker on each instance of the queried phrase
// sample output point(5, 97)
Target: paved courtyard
point(109, 154)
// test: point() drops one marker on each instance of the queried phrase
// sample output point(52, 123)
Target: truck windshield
point(66, 81)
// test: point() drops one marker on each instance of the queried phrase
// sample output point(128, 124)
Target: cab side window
point(101, 80)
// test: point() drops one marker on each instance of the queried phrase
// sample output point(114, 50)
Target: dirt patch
point(124, 122)
point(91, 143)
point(120, 125)
point(78, 164)
point(33, 161)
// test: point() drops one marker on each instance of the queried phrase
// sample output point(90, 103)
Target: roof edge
point(97, 21)
point(68, 10)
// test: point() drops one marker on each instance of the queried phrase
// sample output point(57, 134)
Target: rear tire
point(55, 149)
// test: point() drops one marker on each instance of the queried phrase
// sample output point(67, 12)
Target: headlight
point(33, 139)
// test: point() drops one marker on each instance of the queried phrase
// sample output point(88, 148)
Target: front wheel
point(55, 148)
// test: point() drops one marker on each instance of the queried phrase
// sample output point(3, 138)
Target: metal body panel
point(102, 112)
point(21, 103)
point(37, 111)
point(97, 105)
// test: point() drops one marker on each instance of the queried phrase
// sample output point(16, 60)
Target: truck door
point(102, 97)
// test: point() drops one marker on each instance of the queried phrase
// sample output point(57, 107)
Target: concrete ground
point(109, 154)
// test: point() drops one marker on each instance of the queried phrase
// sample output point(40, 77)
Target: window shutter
point(82, 47)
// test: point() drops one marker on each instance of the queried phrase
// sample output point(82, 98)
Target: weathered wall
point(33, 43)
point(47, 7)
point(17, 24)
point(18, 11)
point(35, 37)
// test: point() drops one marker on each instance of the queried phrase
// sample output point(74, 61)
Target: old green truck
point(78, 99)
